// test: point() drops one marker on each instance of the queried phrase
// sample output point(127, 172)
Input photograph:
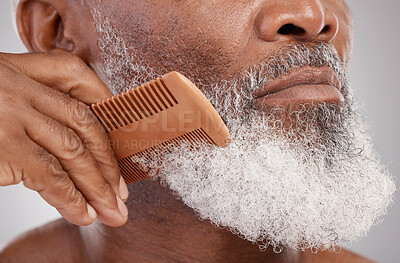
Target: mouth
point(302, 85)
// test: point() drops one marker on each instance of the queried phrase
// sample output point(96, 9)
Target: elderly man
point(299, 179)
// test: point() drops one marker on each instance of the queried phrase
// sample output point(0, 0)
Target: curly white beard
point(305, 192)
point(314, 184)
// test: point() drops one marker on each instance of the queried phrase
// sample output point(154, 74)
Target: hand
point(53, 143)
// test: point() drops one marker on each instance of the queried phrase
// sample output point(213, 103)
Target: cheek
point(198, 54)
point(204, 42)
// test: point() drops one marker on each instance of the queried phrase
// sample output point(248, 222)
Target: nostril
point(326, 29)
point(290, 29)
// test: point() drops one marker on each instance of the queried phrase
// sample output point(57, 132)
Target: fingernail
point(122, 207)
point(92, 213)
point(123, 189)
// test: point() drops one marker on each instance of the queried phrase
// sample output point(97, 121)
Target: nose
point(301, 20)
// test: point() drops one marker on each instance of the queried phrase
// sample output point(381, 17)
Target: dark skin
point(221, 38)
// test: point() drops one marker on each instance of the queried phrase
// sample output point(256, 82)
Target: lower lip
point(302, 94)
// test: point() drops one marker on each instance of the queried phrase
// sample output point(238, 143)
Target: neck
point(162, 229)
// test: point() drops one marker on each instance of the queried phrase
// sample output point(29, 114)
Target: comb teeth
point(131, 171)
point(134, 105)
point(154, 118)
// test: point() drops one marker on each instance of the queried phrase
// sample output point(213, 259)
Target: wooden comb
point(161, 113)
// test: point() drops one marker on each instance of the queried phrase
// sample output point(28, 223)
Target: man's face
point(209, 41)
point(300, 171)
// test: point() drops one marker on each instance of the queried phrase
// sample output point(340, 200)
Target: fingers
point(54, 185)
point(83, 122)
point(69, 75)
point(41, 172)
point(77, 161)
point(10, 172)
point(61, 71)
point(78, 117)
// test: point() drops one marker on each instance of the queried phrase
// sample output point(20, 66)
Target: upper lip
point(300, 76)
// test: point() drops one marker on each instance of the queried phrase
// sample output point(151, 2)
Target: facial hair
point(305, 177)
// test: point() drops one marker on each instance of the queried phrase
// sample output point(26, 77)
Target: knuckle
point(82, 117)
point(106, 188)
point(73, 145)
point(10, 174)
point(72, 197)
point(112, 166)
point(68, 197)
point(48, 167)
point(79, 112)
point(107, 194)
point(36, 183)
point(54, 168)
point(103, 193)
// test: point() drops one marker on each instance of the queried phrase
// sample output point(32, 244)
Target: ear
point(52, 25)
point(41, 28)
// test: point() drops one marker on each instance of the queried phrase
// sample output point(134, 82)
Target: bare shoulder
point(329, 257)
point(58, 241)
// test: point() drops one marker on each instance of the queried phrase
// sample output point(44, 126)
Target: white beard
point(313, 186)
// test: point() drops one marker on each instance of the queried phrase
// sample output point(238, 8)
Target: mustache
point(236, 97)
point(292, 56)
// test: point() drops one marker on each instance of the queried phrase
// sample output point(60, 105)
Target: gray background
point(374, 73)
